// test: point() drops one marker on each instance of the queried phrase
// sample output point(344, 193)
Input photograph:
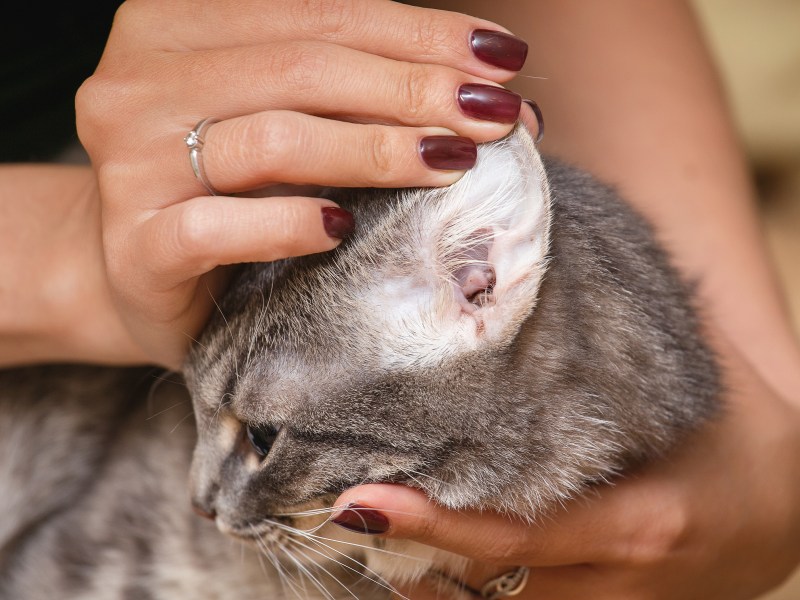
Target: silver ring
point(503, 586)
point(194, 141)
point(507, 584)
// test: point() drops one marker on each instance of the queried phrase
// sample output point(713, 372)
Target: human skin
point(719, 519)
point(379, 73)
point(52, 272)
point(331, 93)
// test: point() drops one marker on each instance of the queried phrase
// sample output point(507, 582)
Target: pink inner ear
point(475, 280)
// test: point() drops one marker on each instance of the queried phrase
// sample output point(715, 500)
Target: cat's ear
point(487, 241)
point(471, 263)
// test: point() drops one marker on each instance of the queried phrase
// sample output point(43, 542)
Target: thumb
point(397, 511)
point(582, 531)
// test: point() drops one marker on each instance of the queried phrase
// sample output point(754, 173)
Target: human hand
point(718, 519)
point(332, 93)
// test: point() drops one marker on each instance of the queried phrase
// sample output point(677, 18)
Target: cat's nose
point(204, 512)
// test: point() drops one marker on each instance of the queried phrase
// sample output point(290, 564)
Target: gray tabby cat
point(504, 343)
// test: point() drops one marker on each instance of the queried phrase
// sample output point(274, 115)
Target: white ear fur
point(481, 255)
point(491, 235)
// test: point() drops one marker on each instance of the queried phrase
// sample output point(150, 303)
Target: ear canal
point(477, 284)
point(474, 277)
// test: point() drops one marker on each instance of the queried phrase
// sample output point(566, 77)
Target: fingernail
point(539, 119)
point(489, 103)
point(362, 519)
point(448, 152)
point(499, 49)
point(338, 223)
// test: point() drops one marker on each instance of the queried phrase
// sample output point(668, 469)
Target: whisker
point(378, 579)
point(284, 576)
point(332, 509)
point(533, 77)
point(320, 538)
point(303, 569)
point(203, 346)
point(157, 381)
point(161, 412)
point(319, 566)
point(228, 327)
point(178, 424)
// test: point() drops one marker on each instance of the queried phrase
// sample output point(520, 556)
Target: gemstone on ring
point(194, 141)
point(191, 139)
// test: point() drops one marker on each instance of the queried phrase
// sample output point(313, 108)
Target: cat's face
point(366, 364)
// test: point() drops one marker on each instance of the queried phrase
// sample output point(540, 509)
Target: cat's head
point(381, 360)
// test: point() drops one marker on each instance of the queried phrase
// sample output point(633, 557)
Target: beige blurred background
point(757, 46)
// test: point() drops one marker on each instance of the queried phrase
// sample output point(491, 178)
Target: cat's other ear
point(489, 238)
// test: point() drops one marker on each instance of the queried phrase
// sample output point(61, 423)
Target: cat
point(504, 343)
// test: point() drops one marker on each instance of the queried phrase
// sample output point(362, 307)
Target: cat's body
point(483, 343)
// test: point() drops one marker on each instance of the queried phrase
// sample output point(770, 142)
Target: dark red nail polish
point(362, 519)
point(489, 103)
point(448, 152)
point(338, 223)
point(499, 49)
point(539, 119)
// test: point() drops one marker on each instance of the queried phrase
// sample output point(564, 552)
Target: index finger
point(382, 27)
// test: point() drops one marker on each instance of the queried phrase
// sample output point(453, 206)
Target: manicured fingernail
point(489, 103)
point(338, 223)
point(448, 152)
point(539, 119)
point(362, 519)
point(499, 49)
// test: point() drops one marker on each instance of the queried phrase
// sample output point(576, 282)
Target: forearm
point(631, 94)
point(54, 301)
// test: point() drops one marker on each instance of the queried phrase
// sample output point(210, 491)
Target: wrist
point(56, 304)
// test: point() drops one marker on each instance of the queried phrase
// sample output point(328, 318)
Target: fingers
point(295, 145)
point(287, 147)
point(636, 524)
point(322, 78)
point(288, 56)
point(385, 28)
point(188, 239)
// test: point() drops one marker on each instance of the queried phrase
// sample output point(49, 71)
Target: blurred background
point(757, 47)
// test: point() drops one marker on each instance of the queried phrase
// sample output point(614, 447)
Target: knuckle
point(299, 67)
point(191, 233)
point(431, 35)
point(326, 17)
point(428, 529)
point(97, 102)
point(126, 14)
point(416, 89)
point(660, 538)
point(275, 136)
point(383, 159)
point(263, 143)
point(507, 549)
point(292, 227)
